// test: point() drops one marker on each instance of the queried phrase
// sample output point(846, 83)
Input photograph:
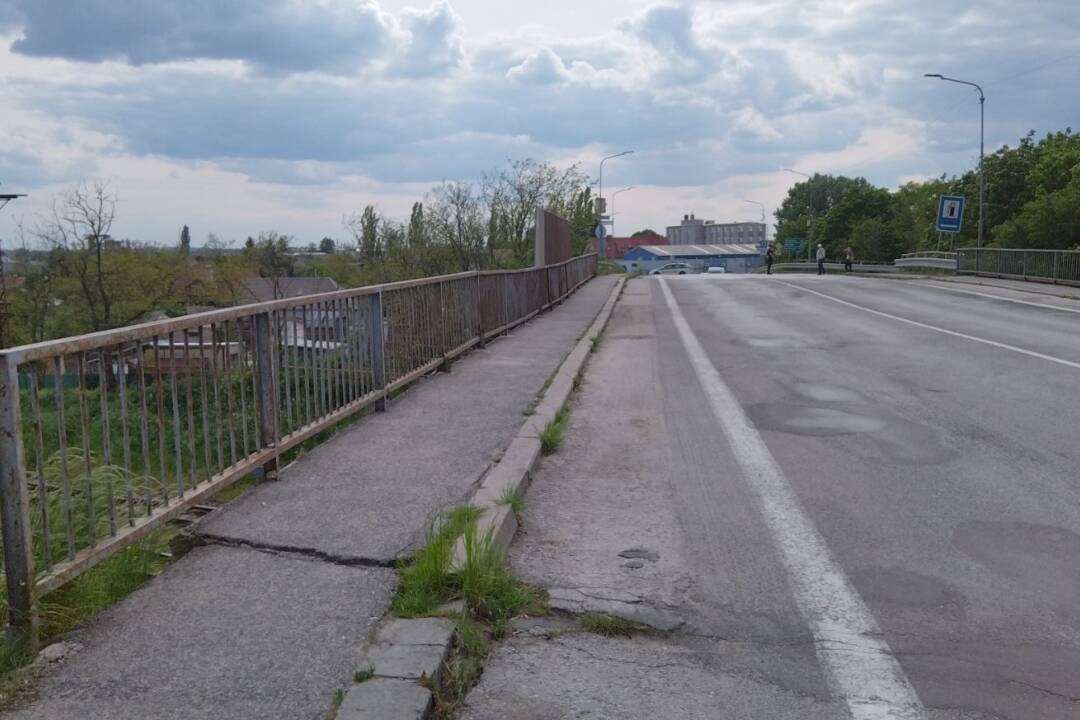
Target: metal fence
point(104, 437)
point(1056, 266)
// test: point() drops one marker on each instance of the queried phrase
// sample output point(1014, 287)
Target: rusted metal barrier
point(104, 437)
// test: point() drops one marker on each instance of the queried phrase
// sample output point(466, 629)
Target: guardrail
point(927, 259)
point(936, 254)
point(104, 437)
point(1052, 266)
point(832, 267)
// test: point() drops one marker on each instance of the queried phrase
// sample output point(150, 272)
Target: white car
point(674, 269)
point(715, 269)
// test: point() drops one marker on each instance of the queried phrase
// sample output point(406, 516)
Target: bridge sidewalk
point(266, 620)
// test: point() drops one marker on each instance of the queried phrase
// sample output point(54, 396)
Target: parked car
point(716, 269)
point(674, 269)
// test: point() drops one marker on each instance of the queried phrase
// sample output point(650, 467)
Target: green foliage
point(552, 435)
point(514, 499)
point(1032, 201)
point(609, 626)
point(428, 581)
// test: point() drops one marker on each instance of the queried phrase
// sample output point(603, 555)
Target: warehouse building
point(733, 258)
point(695, 231)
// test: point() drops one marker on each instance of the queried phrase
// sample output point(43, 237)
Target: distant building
point(733, 258)
point(695, 231)
point(618, 246)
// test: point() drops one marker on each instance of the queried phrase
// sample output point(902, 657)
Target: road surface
point(859, 497)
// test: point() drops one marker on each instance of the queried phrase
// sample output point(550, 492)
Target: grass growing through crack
point(514, 499)
point(492, 596)
point(552, 435)
point(609, 626)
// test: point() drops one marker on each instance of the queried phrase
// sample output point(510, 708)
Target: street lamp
point(613, 196)
point(982, 136)
point(603, 245)
point(762, 206)
point(810, 213)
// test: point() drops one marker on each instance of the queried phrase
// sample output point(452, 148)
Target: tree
point(269, 254)
point(185, 241)
point(416, 235)
point(646, 231)
point(457, 222)
point(115, 283)
point(326, 245)
point(365, 231)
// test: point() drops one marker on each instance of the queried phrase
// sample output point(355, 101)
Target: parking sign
point(950, 214)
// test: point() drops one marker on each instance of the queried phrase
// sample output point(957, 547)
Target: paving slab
point(367, 494)
point(224, 633)
point(385, 699)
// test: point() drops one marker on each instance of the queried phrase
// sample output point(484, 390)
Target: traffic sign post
point(950, 216)
point(600, 233)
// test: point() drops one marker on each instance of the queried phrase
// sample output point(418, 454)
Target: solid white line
point(916, 323)
point(937, 286)
point(858, 662)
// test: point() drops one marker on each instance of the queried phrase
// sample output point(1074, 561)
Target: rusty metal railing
point(1055, 266)
point(104, 437)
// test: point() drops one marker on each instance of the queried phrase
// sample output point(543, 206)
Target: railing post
point(481, 341)
point(15, 514)
point(377, 345)
point(266, 388)
point(1055, 272)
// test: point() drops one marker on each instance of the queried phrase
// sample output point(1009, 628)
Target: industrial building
point(735, 258)
point(695, 231)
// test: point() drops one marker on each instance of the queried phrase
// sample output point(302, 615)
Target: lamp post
point(600, 193)
point(982, 137)
point(613, 196)
point(810, 224)
point(762, 206)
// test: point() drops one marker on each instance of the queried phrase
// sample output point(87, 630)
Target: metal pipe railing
point(1055, 266)
point(106, 436)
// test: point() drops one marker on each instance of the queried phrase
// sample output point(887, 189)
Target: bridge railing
point(1055, 266)
point(930, 254)
point(104, 437)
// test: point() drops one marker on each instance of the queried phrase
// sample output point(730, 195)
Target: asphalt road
point(860, 496)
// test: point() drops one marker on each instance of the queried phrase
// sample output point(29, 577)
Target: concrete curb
point(512, 473)
point(403, 659)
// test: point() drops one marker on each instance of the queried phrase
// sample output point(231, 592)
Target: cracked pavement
point(950, 502)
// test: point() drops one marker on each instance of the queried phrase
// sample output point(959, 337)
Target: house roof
point(678, 251)
point(262, 289)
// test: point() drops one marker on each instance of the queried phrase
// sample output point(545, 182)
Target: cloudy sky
point(249, 115)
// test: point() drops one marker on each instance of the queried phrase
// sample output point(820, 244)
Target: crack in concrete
point(273, 549)
point(1054, 693)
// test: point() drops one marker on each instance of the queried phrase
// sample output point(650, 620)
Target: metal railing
point(104, 437)
point(1055, 266)
point(934, 254)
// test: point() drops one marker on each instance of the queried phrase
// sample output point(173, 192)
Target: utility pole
point(601, 206)
point(982, 143)
point(613, 196)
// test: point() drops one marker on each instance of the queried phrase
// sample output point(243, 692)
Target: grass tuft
point(609, 626)
point(427, 582)
point(552, 435)
point(514, 499)
point(335, 704)
point(364, 675)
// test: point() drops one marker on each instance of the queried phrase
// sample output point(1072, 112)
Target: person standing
point(849, 258)
point(769, 257)
point(820, 259)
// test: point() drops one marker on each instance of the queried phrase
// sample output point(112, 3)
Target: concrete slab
point(417, 631)
point(404, 662)
point(384, 699)
point(225, 633)
point(367, 494)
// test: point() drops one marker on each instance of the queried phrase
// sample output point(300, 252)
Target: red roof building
point(619, 246)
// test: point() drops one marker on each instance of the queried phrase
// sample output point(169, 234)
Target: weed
point(552, 435)
point(530, 409)
point(363, 675)
point(339, 697)
point(606, 267)
point(594, 343)
point(609, 626)
point(514, 499)
point(427, 582)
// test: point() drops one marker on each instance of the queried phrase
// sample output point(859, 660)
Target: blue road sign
point(950, 213)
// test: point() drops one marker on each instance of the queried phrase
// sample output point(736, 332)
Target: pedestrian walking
point(849, 258)
point(769, 257)
point(820, 259)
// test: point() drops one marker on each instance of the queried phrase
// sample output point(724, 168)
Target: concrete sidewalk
point(1028, 286)
point(267, 620)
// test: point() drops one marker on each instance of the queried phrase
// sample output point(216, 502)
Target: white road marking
point(858, 662)
point(916, 323)
point(936, 286)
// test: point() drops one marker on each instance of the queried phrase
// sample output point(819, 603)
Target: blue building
point(733, 258)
